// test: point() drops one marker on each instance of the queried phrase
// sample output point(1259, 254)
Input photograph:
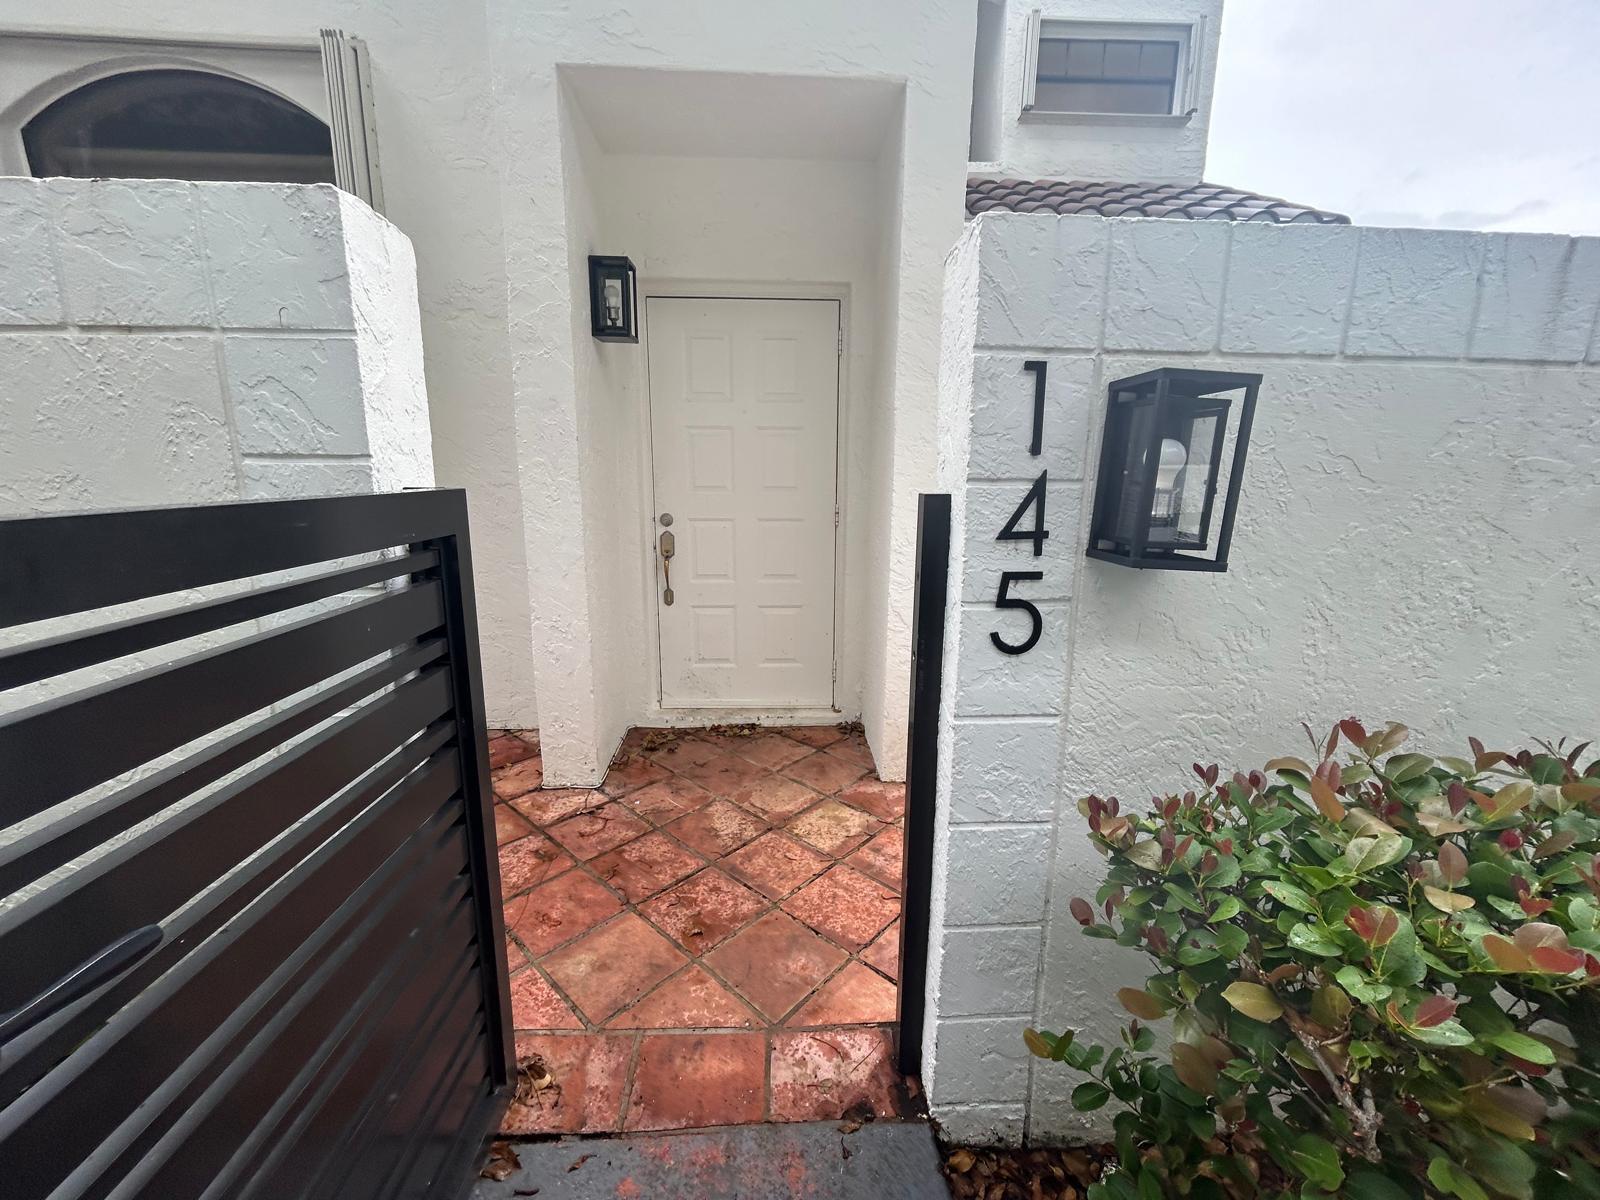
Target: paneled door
point(744, 414)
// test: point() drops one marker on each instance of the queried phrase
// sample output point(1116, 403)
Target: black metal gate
point(250, 940)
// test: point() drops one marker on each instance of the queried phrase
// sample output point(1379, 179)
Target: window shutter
point(347, 72)
point(1030, 59)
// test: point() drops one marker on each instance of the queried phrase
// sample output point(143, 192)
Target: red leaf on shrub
point(1081, 911)
point(1211, 775)
point(1257, 780)
point(1519, 886)
point(1113, 806)
point(1555, 960)
point(1183, 846)
point(1375, 926)
point(1510, 839)
point(1435, 1010)
point(1157, 938)
point(1477, 746)
point(1169, 810)
point(1208, 862)
point(1525, 1067)
point(1199, 770)
point(1109, 908)
point(1536, 908)
point(1353, 730)
point(1225, 845)
point(1452, 863)
point(1458, 796)
point(1591, 966)
point(1333, 742)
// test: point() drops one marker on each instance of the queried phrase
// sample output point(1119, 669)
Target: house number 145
point(1032, 506)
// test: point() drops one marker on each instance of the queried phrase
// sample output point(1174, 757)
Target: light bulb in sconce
point(1169, 482)
point(613, 294)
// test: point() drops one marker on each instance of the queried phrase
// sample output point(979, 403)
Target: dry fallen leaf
point(502, 1162)
point(579, 1161)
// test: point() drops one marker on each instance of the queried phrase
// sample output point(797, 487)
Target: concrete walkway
point(879, 1161)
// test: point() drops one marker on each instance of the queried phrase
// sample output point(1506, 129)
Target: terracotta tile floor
point(711, 937)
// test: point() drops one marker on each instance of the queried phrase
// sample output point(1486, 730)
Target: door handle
point(81, 980)
point(669, 547)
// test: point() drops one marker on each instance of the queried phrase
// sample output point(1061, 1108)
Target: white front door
point(744, 411)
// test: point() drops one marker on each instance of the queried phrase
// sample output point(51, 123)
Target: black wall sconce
point(613, 298)
point(1160, 463)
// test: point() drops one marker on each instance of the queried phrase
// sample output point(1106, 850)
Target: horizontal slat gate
point(250, 934)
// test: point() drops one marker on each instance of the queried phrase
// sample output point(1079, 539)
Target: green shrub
point(1383, 973)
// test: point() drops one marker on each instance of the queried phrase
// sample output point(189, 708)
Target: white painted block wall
point(165, 342)
point(1414, 542)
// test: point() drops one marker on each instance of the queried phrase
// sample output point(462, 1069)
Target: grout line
point(1222, 294)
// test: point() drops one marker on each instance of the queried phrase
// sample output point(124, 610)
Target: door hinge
point(841, 340)
point(836, 516)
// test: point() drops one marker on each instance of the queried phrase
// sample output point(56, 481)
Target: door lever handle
point(669, 547)
point(81, 980)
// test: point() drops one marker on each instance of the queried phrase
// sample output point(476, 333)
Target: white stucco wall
point(1039, 146)
point(1414, 543)
point(165, 342)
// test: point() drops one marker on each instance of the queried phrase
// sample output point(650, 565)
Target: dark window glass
point(1107, 75)
point(178, 125)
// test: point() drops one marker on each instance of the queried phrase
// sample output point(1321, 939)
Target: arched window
point(175, 124)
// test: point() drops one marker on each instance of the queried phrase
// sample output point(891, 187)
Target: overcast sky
point(1467, 114)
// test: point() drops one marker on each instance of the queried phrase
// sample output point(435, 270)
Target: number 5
point(1003, 599)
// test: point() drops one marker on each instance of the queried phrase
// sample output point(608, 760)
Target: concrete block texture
point(1050, 273)
point(989, 971)
point(991, 896)
point(100, 422)
point(990, 507)
point(1538, 299)
point(1271, 310)
point(131, 252)
point(982, 1124)
point(1002, 417)
point(172, 342)
point(277, 255)
point(1414, 292)
point(296, 395)
point(30, 293)
point(1004, 770)
point(978, 1060)
point(991, 683)
point(1165, 284)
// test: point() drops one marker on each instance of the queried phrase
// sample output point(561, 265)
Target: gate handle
point(84, 978)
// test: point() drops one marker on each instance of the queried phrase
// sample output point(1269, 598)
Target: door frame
point(706, 289)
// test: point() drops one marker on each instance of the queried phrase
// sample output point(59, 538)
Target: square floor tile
point(882, 856)
point(588, 1072)
point(824, 772)
point(559, 911)
point(634, 771)
point(723, 774)
point(690, 1081)
point(774, 963)
point(703, 910)
point(644, 866)
point(834, 828)
point(884, 953)
point(612, 965)
point(770, 750)
point(668, 800)
point(506, 749)
point(853, 748)
point(546, 808)
point(509, 824)
point(846, 905)
point(717, 829)
point(774, 798)
point(528, 862)
point(691, 999)
point(590, 834)
point(683, 752)
point(821, 1076)
point(857, 995)
point(522, 775)
point(886, 801)
point(815, 736)
point(536, 1005)
point(774, 864)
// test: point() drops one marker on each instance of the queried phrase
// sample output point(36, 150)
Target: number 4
point(1034, 500)
point(1003, 599)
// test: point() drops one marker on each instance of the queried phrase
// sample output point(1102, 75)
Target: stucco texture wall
point(166, 342)
point(1414, 543)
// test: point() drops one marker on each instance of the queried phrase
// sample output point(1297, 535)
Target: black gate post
point(922, 765)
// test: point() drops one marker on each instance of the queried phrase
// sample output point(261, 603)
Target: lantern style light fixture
point(613, 298)
point(1161, 462)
